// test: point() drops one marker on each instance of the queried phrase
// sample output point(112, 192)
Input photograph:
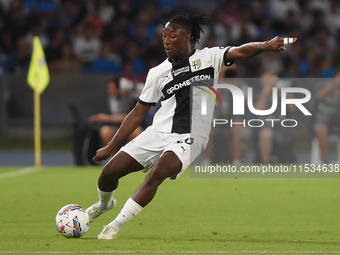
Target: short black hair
point(192, 24)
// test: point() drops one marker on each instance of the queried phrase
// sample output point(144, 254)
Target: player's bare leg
point(168, 165)
point(266, 145)
point(236, 144)
point(120, 165)
point(321, 132)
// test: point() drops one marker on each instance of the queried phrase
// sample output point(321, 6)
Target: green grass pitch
point(199, 216)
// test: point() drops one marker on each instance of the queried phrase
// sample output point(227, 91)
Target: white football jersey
point(171, 83)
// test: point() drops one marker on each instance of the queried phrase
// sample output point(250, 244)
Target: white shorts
point(150, 145)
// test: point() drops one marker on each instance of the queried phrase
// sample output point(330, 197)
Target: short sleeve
point(150, 93)
point(218, 57)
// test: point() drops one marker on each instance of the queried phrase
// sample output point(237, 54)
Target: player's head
point(113, 86)
point(182, 32)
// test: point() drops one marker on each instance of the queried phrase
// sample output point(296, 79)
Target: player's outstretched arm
point(130, 123)
point(254, 48)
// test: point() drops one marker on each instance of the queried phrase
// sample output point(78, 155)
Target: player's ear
point(187, 38)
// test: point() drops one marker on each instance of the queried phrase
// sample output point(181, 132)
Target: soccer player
point(166, 147)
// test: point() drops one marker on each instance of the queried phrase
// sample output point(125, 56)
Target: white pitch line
point(20, 172)
point(164, 252)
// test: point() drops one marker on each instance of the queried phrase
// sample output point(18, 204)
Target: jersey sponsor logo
point(181, 70)
point(188, 82)
point(196, 64)
point(182, 83)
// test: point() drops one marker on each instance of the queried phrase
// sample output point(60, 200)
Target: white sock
point(105, 198)
point(130, 209)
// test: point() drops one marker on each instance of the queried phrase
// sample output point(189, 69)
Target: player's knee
point(108, 173)
point(321, 129)
point(266, 133)
point(156, 176)
point(106, 133)
point(159, 173)
point(106, 129)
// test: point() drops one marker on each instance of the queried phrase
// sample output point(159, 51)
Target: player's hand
point(276, 44)
point(102, 154)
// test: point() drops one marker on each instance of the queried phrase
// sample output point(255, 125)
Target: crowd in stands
point(124, 36)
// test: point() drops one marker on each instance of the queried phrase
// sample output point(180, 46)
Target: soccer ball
point(72, 221)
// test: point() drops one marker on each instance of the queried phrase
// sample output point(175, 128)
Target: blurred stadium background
point(87, 41)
